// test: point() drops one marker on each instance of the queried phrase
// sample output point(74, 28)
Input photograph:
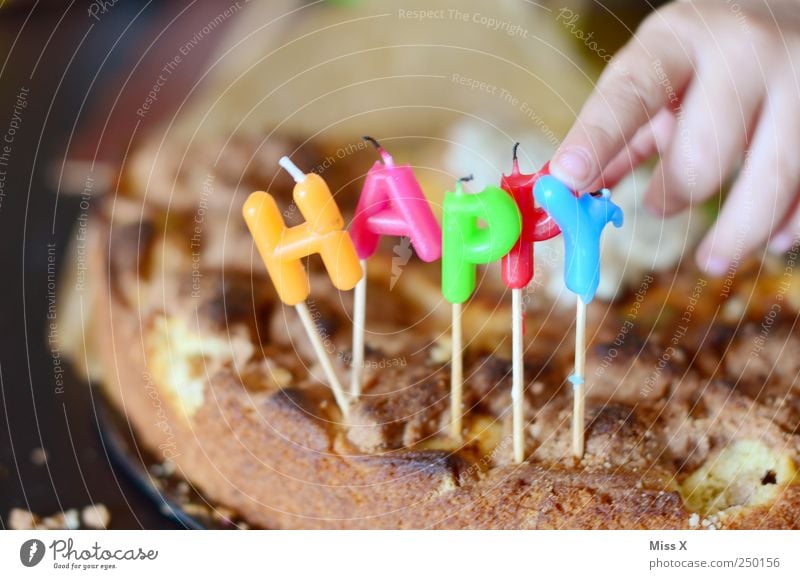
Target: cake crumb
point(22, 520)
point(441, 350)
point(38, 456)
point(96, 516)
point(279, 375)
point(694, 521)
point(68, 520)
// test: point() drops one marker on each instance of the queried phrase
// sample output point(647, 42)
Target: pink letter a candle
point(391, 203)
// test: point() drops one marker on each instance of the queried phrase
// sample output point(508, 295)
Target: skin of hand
point(712, 87)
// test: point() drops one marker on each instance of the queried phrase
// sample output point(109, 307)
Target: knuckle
point(601, 137)
point(642, 89)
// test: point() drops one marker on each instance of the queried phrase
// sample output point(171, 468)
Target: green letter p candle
point(477, 228)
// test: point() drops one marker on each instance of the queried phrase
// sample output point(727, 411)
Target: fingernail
point(573, 165)
point(716, 266)
point(781, 242)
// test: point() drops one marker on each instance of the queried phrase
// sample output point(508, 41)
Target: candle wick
point(459, 188)
point(374, 142)
point(386, 157)
point(292, 169)
point(514, 159)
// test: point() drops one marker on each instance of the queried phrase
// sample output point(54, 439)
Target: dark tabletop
point(54, 75)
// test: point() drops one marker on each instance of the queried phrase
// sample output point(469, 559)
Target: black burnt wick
point(374, 142)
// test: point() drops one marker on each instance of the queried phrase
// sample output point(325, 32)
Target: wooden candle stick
point(578, 380)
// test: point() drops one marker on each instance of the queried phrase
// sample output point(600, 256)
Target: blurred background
point(87, 88)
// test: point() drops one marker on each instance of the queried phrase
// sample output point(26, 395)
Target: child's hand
point(707, 84)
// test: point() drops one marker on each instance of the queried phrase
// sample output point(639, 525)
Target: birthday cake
point(692, 408)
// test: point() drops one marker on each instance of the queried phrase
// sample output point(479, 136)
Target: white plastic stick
point(359, 320)
point(456, 375)
point(578, 379)
point(292, 169)
point(518, 376)
point(333, 380)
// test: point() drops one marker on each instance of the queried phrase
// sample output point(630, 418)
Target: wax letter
point(282, 248)
point(468, 243)
point(392, 203)
point(582, 220)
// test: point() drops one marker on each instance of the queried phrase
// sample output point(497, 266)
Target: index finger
point(650, 72)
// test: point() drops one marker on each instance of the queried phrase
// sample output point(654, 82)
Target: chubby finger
point(713, 125)
point(788, 236)
point(647, 74)
point(765, 190)
point(651, 138)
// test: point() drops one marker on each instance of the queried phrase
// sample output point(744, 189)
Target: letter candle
point(581, 220)
point(518, 270)
point(465, 244)
point(391, 203)
point(283, 248)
